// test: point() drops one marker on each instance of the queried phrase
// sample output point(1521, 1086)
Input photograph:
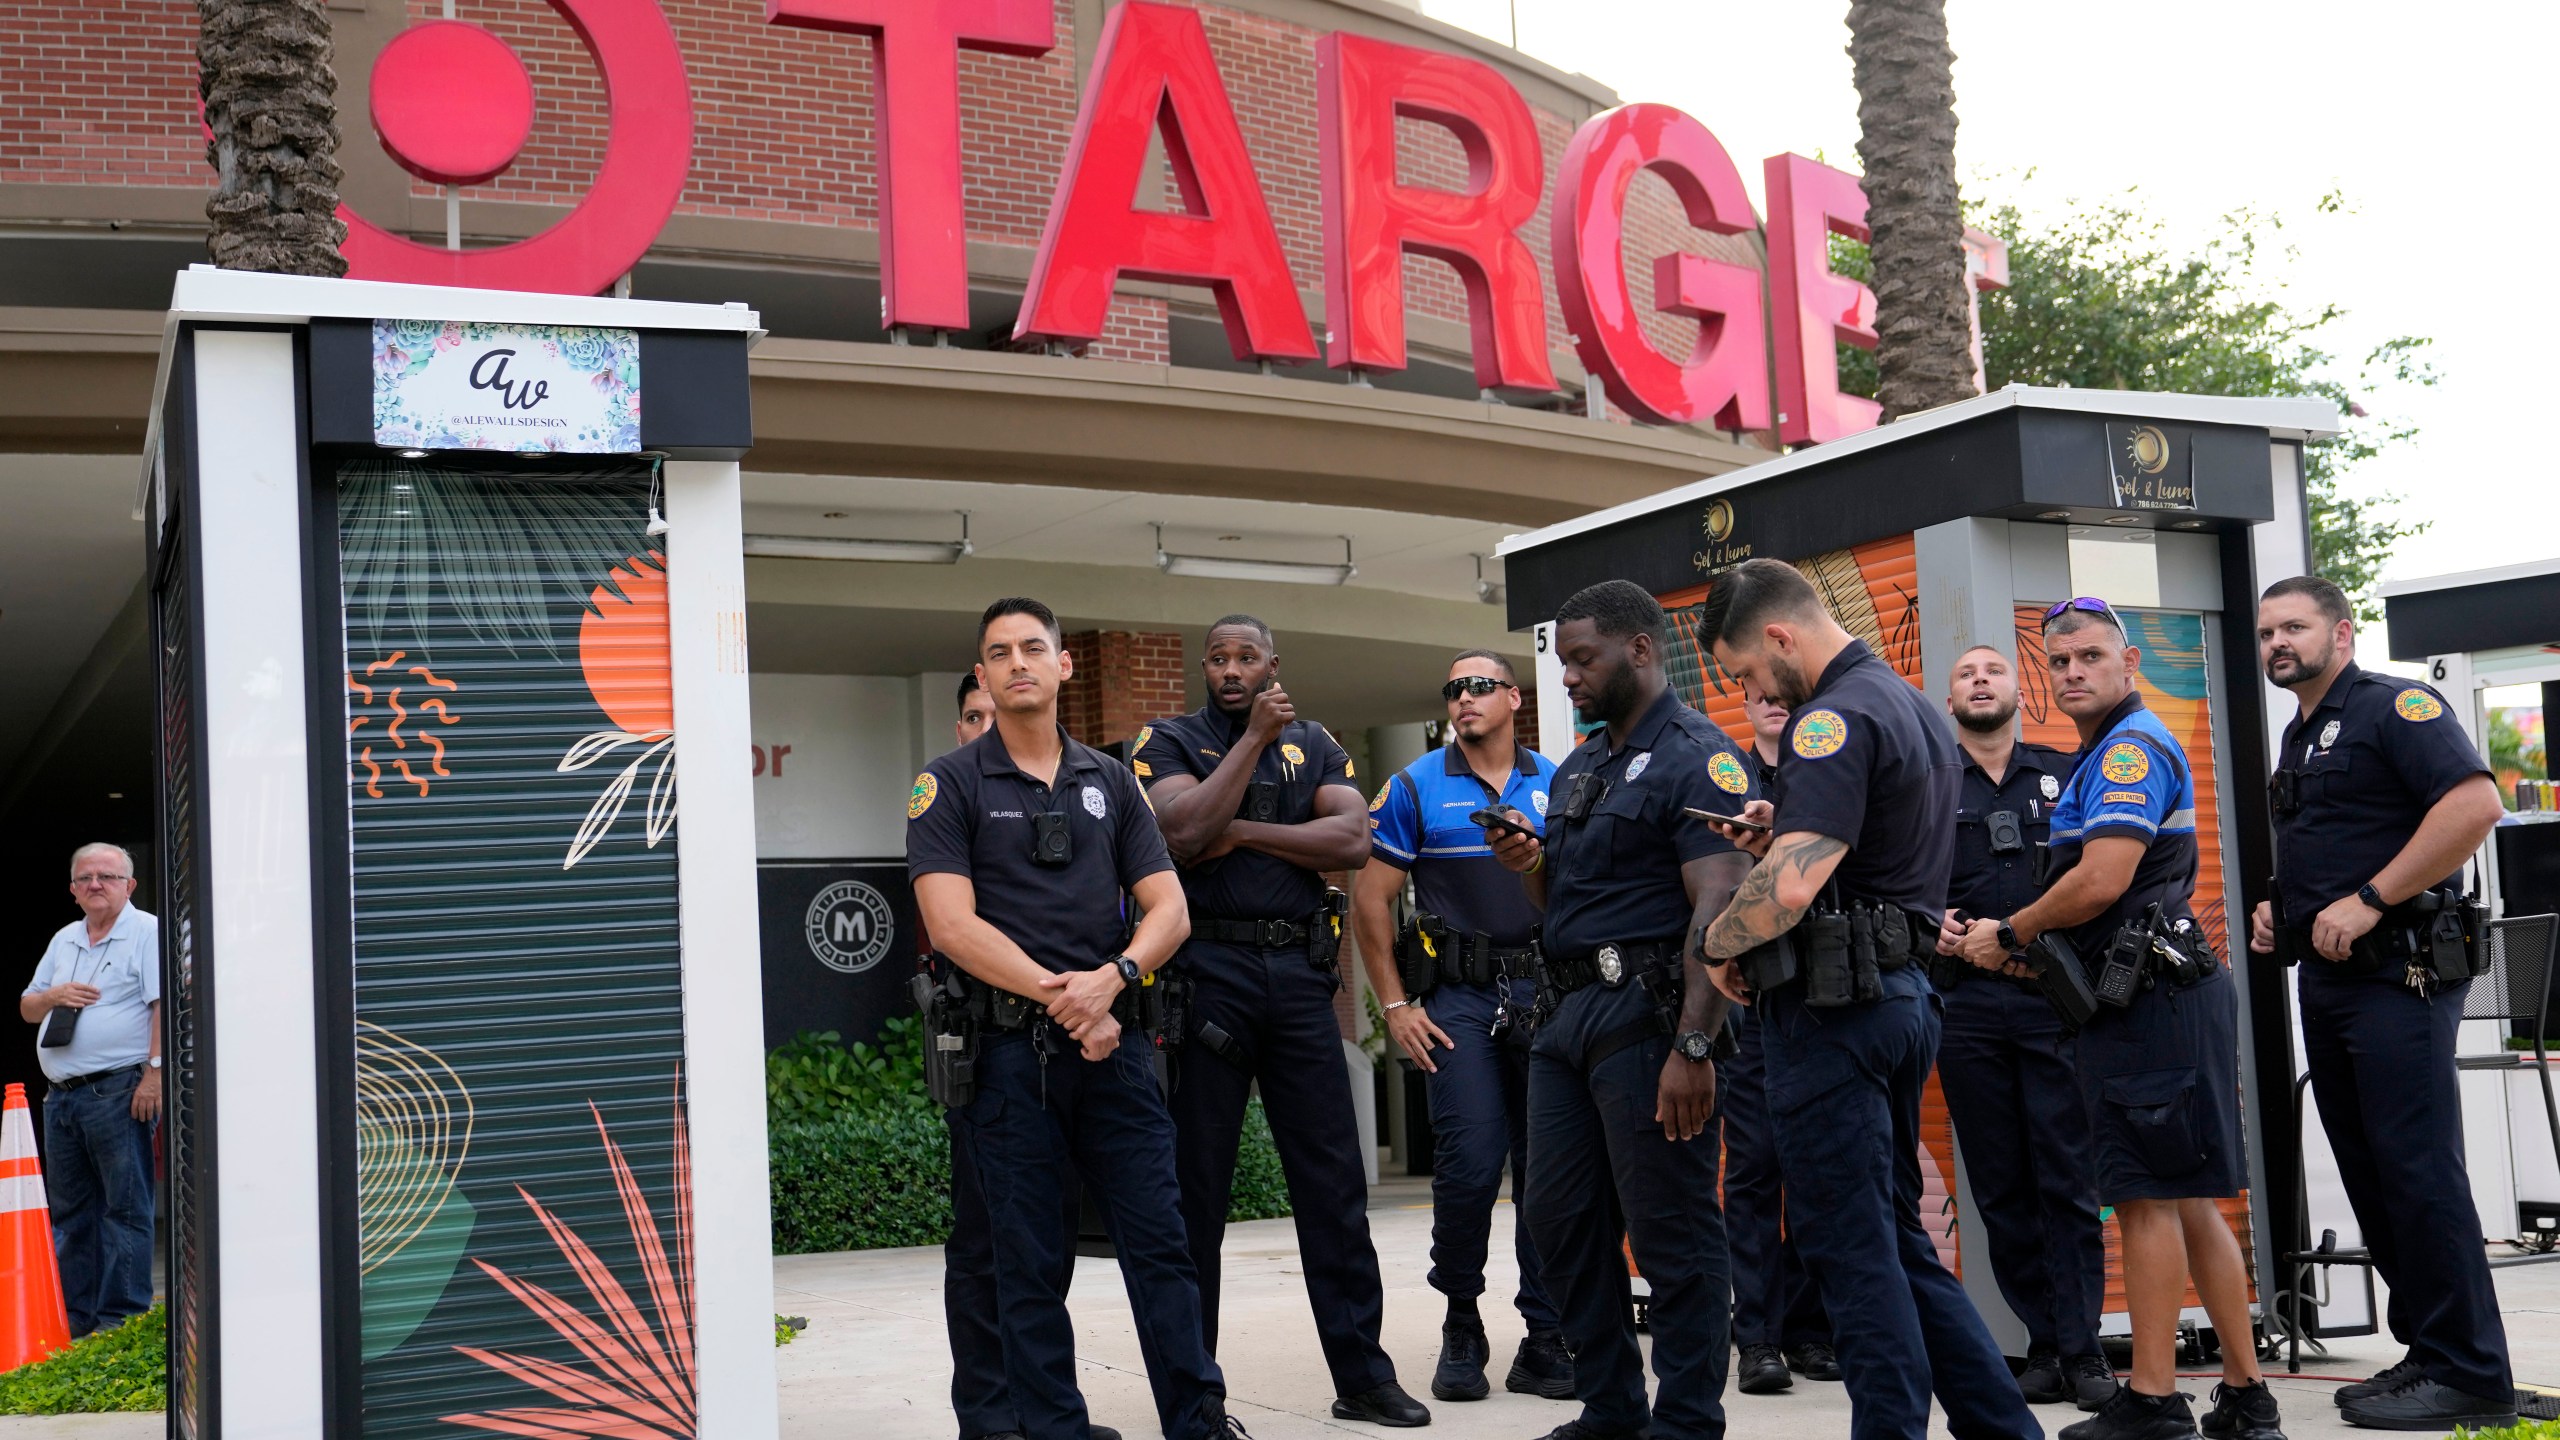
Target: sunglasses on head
point(1476, 685)
point(2088, 603)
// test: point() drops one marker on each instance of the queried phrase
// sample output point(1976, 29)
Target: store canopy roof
point(2189, 462)
point(2474, 610)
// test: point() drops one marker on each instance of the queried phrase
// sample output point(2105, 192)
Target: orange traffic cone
point(32, 1325)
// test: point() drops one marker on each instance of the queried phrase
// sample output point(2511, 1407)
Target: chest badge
point(2052, 788)
point(1094, 804)
point(1636, 766)
point(2328, 734)
point(2417, 705)
point(1293, 754)
point(1726, 771)
point(1612, 967)
point(1820, 733)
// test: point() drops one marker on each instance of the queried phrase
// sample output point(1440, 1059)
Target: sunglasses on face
point(2088, 604)
point(1476, 685)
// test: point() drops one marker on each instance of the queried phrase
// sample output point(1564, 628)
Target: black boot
point(1384, 1405)
point(1544, 1367)
point(2243, 1412)
point(2041, 1383)
point(2131, 1415)
point(1763, 1371)
point(1463, 1351)
point(1813, 1360)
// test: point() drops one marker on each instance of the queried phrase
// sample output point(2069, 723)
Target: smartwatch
point(1130, 974)
point(1695, 1046)
point(2373, 897)
point(2009, 938)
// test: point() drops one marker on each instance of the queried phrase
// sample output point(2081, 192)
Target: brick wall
point(1123, 680)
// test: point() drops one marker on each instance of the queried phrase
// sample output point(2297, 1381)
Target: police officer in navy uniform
point(2159, 1060)
point(2004, 1061)
point(2379, 801)
point(1020, 846)
point(1255, 804)
point(1470, 943)
point(1779, 1324)
point(1853, 878)
point(1622, 1084)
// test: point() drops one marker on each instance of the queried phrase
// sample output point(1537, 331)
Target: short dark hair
point(1616, 608)
point(1241, 622)
point(1509, 676)
point(2323, 593)
point(1969, 649)
point(1750, 595)
point(1017, 605)
point(968, 684)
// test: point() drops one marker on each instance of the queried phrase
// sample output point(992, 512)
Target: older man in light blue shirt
point(99, 981)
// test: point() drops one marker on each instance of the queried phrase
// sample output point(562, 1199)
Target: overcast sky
point(2427, 117)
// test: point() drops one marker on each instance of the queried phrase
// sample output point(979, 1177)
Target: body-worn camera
point(1585, 792)
point(1261, 803)
point(2008, 837)
point(2284, 792)
point(1052, 842)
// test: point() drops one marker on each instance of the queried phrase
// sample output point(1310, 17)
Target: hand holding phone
point(1717, 817)
point(1495, 820)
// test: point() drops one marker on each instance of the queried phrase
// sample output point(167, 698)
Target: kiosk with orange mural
point(1956, 527)
point(466, 1114)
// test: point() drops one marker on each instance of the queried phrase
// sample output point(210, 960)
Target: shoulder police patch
point(920, 799)
point(1145, 734)
point(1379, 802)
point(2417, 705)
point(1819, 733)
point(2125, 762)
point(1726, 771)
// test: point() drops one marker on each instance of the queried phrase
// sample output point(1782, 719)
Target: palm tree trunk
point(1907, 145)
point(270, 99)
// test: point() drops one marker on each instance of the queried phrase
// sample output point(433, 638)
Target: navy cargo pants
point(1844, 1083)
point(1774, 1301)
point(979, 1399)
point(2381, 1062)
point(1276, 1009)
point(1605, 1170)
point(2006, 1067)
point(1043, 1107)
point(1479, 1122)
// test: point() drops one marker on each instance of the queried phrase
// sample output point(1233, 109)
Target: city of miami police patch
point(1145, 734)
point(2416, 705)
point(2125, 762)
point(1726, 771)
point(1820, 733)
point(1379, 802)
point(920, 799)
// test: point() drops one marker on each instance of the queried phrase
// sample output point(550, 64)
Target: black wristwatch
point(2373, 897)
point(1130, 974)
point(2009, 938)
point(1695, 1046)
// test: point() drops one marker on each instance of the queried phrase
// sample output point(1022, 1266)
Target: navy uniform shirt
point(1419, 823)
point(1614, 876)
point(970, 814)
point(1247, 884)
point(1868, 762)
point(2376, 755)
point(2135, 782)
point(1994, 887)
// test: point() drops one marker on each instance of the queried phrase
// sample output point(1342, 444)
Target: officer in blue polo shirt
point(2379, 799)
point(1830, 930)
point(2159, 1062)
point(1457, 984)
point(1020, 845)
point(1622, 1084)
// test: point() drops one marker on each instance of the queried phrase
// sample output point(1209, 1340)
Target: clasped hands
point(1081, 1004)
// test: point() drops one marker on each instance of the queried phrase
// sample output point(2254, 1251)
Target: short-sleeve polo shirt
point(1247, 884)
point(1615, 875)
point(970, 814)
point(1866, 761)
point(2133, 781)
point(1419, 823)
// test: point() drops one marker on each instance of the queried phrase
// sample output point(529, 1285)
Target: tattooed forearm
point(1760, 911)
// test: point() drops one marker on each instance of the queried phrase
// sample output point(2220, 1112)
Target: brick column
point(1525, 721)
point(1123, 680)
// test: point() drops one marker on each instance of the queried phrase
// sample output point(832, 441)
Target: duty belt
point(1609, 964)
point(1267, 934)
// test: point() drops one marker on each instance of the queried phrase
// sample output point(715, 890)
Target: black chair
point(2516, 989)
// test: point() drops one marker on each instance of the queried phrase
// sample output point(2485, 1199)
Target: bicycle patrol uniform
point(1039, 1104)
point(2362, 770)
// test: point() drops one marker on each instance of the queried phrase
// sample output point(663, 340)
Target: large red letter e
point(1154, 66)
point(1370, 220)
point(1812, 307)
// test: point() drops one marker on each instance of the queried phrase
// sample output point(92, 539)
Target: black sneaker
point(1576, 1430)
point(1101, 1432)
point(2131, 1415)
point(1463, 1351)
point(1383, 1405)
point(2042, 1383)
point(2243, 1412)
point(2383, 1384)
point(2422, 1404)
point(1763, 1371)
point(2092, 1383)
point(1813, 1360)
point(1544, 1367)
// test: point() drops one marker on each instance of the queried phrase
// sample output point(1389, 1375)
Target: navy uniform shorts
point(2162, 1082)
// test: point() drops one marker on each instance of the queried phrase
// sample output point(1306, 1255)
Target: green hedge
point(120, 1369)
point(861, 1161)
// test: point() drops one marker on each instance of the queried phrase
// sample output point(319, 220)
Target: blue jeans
point(1480, 1120)
point(97, 1179)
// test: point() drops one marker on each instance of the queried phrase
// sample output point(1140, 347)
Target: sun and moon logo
point(2146, 449)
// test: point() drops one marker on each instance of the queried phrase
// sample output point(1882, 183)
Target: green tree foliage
point(2098, 298)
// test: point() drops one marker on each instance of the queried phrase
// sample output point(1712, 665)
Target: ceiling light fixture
point(1285, 572)
point(1491, 592)
point(2053, 514)
point(896, 552)
point(413, 454)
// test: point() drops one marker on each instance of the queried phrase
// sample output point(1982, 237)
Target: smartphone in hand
point(1714, 817)
point(1493, 819)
